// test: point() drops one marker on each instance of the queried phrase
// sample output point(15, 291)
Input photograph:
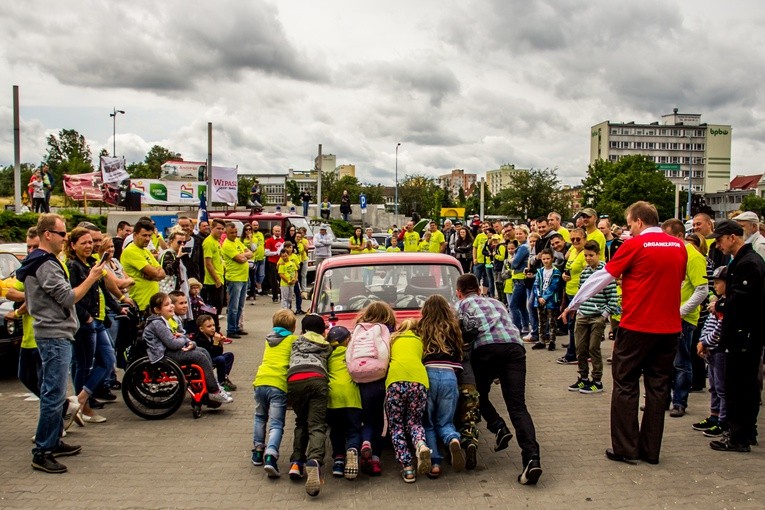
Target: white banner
point(158, 192)
point(113, 170)
point(225, 185)
point(184, 171)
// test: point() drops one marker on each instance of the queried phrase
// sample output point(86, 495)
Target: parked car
point(347, 283)
point(10, 329)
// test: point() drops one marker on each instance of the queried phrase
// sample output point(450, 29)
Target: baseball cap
point(719, 273)
point(323, 226)
point(338, 334)
point(588, 211)
point(496, 237)
point(747, 216)
point(726, 227)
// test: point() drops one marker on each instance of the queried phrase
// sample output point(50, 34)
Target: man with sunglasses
point(50, 299)
point(589, 219)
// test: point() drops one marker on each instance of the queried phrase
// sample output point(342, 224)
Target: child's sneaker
point(705, 424)
point(579, 384)
point(296, 471)
point(593, 387)
point(314, 479)
point(458, 456)
point(366, 458)
point(471, 456)
point(351, 464)
point(257, 457)
point(228, 385)
point(375, 466)
point(270, 467)
point(714, 431)
point(423, 459)
point(338, 467)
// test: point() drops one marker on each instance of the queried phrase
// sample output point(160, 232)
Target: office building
point(457, 179)
point(502, 178)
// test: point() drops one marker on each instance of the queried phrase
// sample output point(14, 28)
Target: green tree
point(419, 193)
point(461, 197)
point(68, 153)
point(753, 203)
point(6, 178)
point(293, 191)
point(532, 194)
point(611, 186)
point(151, 166)
point(243, 189)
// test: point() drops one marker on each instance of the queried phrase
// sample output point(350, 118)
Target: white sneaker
point(74, 410)
point(221, 397)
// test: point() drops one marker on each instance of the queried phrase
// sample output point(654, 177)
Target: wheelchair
point(155, 391)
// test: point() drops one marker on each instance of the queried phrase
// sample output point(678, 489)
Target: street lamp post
point(396, 195)
point(690, 175)
point(113, 115)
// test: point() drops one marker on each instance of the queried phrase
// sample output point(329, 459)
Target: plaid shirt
point(486, 321)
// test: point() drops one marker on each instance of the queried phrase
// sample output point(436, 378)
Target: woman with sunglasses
point(575, 264)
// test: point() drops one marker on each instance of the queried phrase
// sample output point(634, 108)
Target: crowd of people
point(671, 300)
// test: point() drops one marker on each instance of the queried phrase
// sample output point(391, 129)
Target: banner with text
point(159, 192)
point(225, 185)
point(183, 171)
point(113, 170)
point(84, 186)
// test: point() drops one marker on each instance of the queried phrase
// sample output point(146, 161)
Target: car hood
point(348, 319)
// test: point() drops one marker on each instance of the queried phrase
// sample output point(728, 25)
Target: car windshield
point(299, 223)
point(8, 264)
point(403, 286)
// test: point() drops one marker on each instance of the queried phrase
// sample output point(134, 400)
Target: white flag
point(113, 170)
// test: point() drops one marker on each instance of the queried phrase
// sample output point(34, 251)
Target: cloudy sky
point(459, 84)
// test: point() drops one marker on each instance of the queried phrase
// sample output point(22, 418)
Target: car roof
point(365, 259)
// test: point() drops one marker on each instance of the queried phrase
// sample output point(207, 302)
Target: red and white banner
point(225, 185)
point(84, 186)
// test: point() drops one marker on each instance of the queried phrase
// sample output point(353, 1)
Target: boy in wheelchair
point(164, 336)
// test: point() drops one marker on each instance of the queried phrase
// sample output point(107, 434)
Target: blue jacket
point(550, 294)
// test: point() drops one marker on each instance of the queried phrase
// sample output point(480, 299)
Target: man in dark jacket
point(741, 336)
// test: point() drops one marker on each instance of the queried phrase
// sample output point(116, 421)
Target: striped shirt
point(604, 302)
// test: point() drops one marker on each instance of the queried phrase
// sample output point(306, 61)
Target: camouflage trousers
point(467, 416)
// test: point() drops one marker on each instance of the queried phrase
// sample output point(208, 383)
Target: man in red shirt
point(652, 267)
point(273, 248)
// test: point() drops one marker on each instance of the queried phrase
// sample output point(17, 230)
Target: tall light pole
point(396, 196)
point(113, 115)
point(690, 175)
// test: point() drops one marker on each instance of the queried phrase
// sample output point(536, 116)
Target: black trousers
point(216, 297)
point(742, 393)
point(650, 355)
point(272, 277)
point(508, 363)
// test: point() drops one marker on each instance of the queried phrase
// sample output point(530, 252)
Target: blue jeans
point(490, 277)
point(271, 406)
point(480, 273)
point(113, 331)
point(56, 354)
point(717, 385)
point(533, 317)
point(94, 356)
point(305, 208)
point(257, 275)
point(223, 365)
point(683, 377)
point(442, 404)
point(237, 294)
point(518, 308)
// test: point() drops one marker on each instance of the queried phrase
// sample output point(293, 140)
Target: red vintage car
point(345, 284)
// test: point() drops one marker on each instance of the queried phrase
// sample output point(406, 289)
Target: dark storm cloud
point(156, 46)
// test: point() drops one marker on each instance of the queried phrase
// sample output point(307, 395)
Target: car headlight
point(10, 326)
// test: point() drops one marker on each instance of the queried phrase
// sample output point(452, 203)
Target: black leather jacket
point(87, 307)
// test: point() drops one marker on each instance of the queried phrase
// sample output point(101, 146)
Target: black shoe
point(275, 300)
point(232, 335)
point(619, 458)
point(503, 439)
point(105, 394)
point(300, 312)
point(724, 445)
point(116, 385)
point(649, 460)
point(531, 473)
point(471, 456)
point(46, 462)
point(565, 346)
point(242, 332)
point(551, 346)
point(64, 450)
point(95, 404)
point(539, 345)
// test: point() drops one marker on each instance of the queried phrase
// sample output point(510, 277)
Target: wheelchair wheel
point(196, 411)
point(153, 391)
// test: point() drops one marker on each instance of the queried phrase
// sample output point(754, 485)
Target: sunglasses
point(575, 239)
point(181, 242)
point(58, 233)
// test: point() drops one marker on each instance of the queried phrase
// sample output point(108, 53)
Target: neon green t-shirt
point(695, 275)
point(411, 241)
point(436, 238)
point(133, 260)
point(235, 271)
point(478, 244)
point(393, 249)
point(260, 251)
point(406, 360)
point(563, 231)
point(27, 322)
point(211, 250)
point(575, 264)
point(288, 269)
point(343, 392)
point(597, 236)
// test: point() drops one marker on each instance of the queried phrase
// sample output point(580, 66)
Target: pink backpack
point(368, 353)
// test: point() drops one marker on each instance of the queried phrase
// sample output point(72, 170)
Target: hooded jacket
point(49, 295)
point(310, 353)
point(160, 338)
point(276, 360)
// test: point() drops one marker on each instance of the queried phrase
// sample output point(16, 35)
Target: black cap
point(338, 334)
point(719, 273)
point(726, 227)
